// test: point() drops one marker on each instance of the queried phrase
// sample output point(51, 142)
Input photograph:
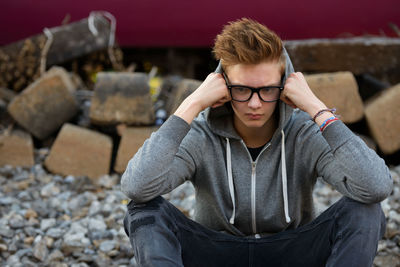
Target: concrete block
point(46, 104)
point(183, 89)
point(338, 90)
point(78, 151)
point(122, 98)
point(383, 119)
point(132, 139)
point(16, 149)
point(374, 55)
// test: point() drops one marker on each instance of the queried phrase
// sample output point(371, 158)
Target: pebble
point(47, 223)
point(55, 232)
point(49, 190)
point(56, 255)
point(107, 246)
point(40, 250)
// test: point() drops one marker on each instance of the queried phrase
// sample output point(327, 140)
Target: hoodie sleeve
point(346, 162)
point(160, 165)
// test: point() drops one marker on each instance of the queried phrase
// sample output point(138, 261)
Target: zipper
point(253, 196)
point(253, 186)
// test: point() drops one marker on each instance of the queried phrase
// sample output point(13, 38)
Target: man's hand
point(297, 94)
point(211, 93)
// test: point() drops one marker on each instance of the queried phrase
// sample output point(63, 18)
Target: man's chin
point(255, 124)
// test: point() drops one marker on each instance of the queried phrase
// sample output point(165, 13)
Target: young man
point(252, 139)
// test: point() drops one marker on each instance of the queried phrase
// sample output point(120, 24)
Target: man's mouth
point(253, 116)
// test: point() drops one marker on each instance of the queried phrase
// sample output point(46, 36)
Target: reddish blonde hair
point(246, 41)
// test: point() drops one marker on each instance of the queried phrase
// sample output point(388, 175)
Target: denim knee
point(140, 214)
point(361, 216)
point(152, 212)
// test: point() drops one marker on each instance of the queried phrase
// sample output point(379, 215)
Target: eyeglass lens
point(244, 94)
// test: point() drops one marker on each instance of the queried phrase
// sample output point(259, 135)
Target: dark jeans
point(346, 234)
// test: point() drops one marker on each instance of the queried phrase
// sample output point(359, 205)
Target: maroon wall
point(195, 23)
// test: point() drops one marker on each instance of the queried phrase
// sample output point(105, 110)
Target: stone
point(47, 223)
point(69, 179)
point(3, 247)
point(96, 225)
point(16, 221)
point(122, 98)
point(107, 246)
point(338, 90)
point(40, 250)
point(374, 55)
point(383, 118)
point(29, 240)
point(387, 260)
point(49, 241)
point(55, 232)
point(7, 200)
point(108, 181)
point(46, 104)
point(74, 243)
point(56, 255)
point(49, 190)
point(80, 152)
point(16, 149)
point(132, 139)
point(183, 89)
point(393, 215)
point(6, 231)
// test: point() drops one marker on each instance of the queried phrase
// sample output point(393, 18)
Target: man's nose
point(255, 101)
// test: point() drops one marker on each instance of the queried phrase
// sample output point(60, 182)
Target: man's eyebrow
point(267, 85)
point(274, 84)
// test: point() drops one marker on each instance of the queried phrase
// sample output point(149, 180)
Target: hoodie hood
point(221, 123)
point(217, 118)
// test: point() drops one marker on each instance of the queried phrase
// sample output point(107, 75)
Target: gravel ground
point(50, 220)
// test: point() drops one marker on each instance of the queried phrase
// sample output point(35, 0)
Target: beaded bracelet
point(333, 110)
point(327, 122)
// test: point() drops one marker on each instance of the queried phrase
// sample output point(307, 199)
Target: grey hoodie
point(243, 197)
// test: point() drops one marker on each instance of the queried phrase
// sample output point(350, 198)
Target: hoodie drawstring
point(284, 179)
point(230, 178)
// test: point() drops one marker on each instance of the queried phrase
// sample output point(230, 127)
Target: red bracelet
point(333, 110)
point(326, 123)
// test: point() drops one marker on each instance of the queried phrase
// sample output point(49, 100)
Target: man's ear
point(219, 67)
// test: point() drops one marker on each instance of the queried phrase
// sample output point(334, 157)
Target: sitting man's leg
point(161, 235)
point(358, 229)
point(152, 233)
point(346, 234)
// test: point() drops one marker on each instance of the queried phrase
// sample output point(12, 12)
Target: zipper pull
point(253, 165)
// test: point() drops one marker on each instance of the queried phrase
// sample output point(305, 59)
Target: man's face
point(254, 113)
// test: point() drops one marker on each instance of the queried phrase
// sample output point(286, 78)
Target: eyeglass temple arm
point(219, 67)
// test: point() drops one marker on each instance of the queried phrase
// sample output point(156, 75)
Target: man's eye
point(241, 89)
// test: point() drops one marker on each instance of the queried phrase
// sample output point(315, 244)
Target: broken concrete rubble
point(122, 98)
point(383, 117)
point(374, 55)
point(46, 104)
point(182, 90)
point(338, 90)
point(16, 148)
point(80, 152)
point(132, 139)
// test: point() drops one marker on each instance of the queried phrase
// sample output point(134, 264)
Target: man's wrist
point(188, 109)
point(314, 108)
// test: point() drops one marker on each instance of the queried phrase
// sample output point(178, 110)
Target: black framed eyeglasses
point(243, 93)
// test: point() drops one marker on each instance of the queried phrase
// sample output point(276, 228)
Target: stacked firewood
point(84, 47)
